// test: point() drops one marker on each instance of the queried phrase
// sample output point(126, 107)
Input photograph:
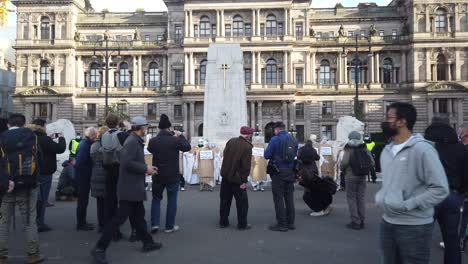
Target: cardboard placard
point(206, 154)
point(326, 151)
point(258, 152)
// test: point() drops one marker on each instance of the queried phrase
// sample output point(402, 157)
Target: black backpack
point(21, 160)
point(289, 149)
point(360, 162)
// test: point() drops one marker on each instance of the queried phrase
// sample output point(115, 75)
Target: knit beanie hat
point(164, 122)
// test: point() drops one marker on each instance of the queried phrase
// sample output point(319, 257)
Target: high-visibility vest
point(370, 146)
point(74, 147)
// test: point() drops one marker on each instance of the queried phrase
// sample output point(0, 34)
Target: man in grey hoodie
point(414, 182)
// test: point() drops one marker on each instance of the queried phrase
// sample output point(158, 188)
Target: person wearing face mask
point(131, 193)
point(235, 171)
point(414, 182)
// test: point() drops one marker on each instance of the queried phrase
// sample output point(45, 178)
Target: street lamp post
point(357, 63)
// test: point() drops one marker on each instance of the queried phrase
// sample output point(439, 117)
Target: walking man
point(131, 192)
point(414, 182)
point(282, 152)
point(235, 170)
point(23, 172)
point(166, 148)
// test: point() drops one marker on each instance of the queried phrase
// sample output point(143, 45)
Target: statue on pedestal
point(312, 33)
point(77, 36)
point(341, 32)
point(136, 35)
point(372, 30)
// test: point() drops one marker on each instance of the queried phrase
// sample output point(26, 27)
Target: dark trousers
point(101, 211)
point(464, 222)
point(135, 210)
point(372, 175)
point(182, 181)
point(84, 185)
point(171, 211)
point(112, 177)
point(317, 200)
point(356, 198)
point(45, 183)
point(283, 198)
point(228, 190)
point(403, 244)
point(448, 215)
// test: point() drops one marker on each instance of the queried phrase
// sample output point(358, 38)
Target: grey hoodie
point(414, 182)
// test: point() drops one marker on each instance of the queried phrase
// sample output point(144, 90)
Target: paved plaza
point(316, 240)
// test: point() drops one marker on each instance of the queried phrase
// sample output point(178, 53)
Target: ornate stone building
point(300, 62)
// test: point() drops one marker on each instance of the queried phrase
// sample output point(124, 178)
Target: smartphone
point(57, 135)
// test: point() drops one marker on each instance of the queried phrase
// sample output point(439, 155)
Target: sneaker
point(154, 229)
point(316, 214)
point(442, 245)
point(182, 189)
point(174, 229)
point(328, 210)
point(223, 226)
point(99, 256)
point(243, 228)
point(36, 258)
point(278, 228)
point(262, 189)
point(151, 247)
point(43, 228)
point(354, 226)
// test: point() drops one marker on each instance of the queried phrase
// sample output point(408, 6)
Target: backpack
point(360, 162)
point(21, 160)
point(111, 148)
point(288, 149)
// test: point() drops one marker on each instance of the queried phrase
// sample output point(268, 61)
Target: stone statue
point(372, 30)
point(341, 32)
point(312, 32)
point(136, 35)
point(77, 36)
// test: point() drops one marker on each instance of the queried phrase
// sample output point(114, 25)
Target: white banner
point(258, 152)
point(326, 151)
point(206, 155)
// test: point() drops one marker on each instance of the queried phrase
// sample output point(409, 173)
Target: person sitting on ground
point(66, 186)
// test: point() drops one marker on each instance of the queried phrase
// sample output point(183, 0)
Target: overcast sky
point(7, 35)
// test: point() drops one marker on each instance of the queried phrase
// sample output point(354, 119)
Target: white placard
point(326, 151)
point(206, 155)
point(258, 152)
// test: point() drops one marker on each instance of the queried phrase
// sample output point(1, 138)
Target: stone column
point(313, 66)
point(260, 115)
point(428, 23)
point(192, 119)
point(30, 71)
point(285, 113)
point(457, 65)
point(186, 24)
point(416, 67)
point(430, 110)
point(339, 68)
point(436, 106)
point(286, 22)
point(291, 69)
point(223, 29)
point(428, 66)
point(140, 73)
point(186, 69)
point(449, 72)
point(258, 22)
point(345, 70)
point(449, 107)
point(259, 67)
point(285, 67)
point(456, 19)
point(56, 76)
point(192, 70)
point(460, 111)
point(377, 67)
point(403, 67)
point(292, 114)
point(307, 68)
point(306, 26)
point(254, 76)
point(191, 31)
point(80, 72)
point(185, 117)
point(252, 114)
point(254, 23)
point(371, 70)
point(218, 23)
point(135, 72)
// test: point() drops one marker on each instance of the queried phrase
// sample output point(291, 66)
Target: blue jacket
point(84, 163)
point(275, 151)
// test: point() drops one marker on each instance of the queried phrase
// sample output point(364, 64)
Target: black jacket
point(307, 156)
point(48, 150)
point(165, 149)
point(452, 154)
point(132, 171)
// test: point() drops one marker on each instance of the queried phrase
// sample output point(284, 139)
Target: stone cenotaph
point(225, 105)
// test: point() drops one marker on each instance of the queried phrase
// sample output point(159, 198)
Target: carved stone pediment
point(446, 86)
point(41, 91)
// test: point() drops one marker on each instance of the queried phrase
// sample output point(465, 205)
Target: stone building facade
point(299, 61)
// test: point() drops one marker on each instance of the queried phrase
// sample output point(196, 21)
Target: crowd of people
point(424, 179)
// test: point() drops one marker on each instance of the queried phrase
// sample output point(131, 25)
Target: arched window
point(124, 75)
point(238, 26)
point(205, 26)
point(271, 26)
point(353, 71)
point(271, 72)
point(153, 75)
point(325, 72)
point(441, 20)
point(95, 75)
point(45, 28)
point(203, 72)
point(45, 73)
point(441, 68)
point(387, 69)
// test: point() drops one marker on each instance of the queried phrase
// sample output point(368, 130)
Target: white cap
point(139, 121)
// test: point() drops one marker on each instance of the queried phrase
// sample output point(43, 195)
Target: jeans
point(228, 190)
point(101, 213)
point(172, 190)
point(84, 186)
point(45, 183)
point(356, 198)
point(447, 214)
point(404, 244)
point(464, 221)
point(283, 198)
point(26, 201)
point(135, 210)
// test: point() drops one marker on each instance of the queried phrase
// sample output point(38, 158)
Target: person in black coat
point(452, 154)
point(48, 150)
point(98, 178)
point(165, 148)
point(307, 157)
point(83, 172)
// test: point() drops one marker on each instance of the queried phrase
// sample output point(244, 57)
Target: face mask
point(388, 130)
